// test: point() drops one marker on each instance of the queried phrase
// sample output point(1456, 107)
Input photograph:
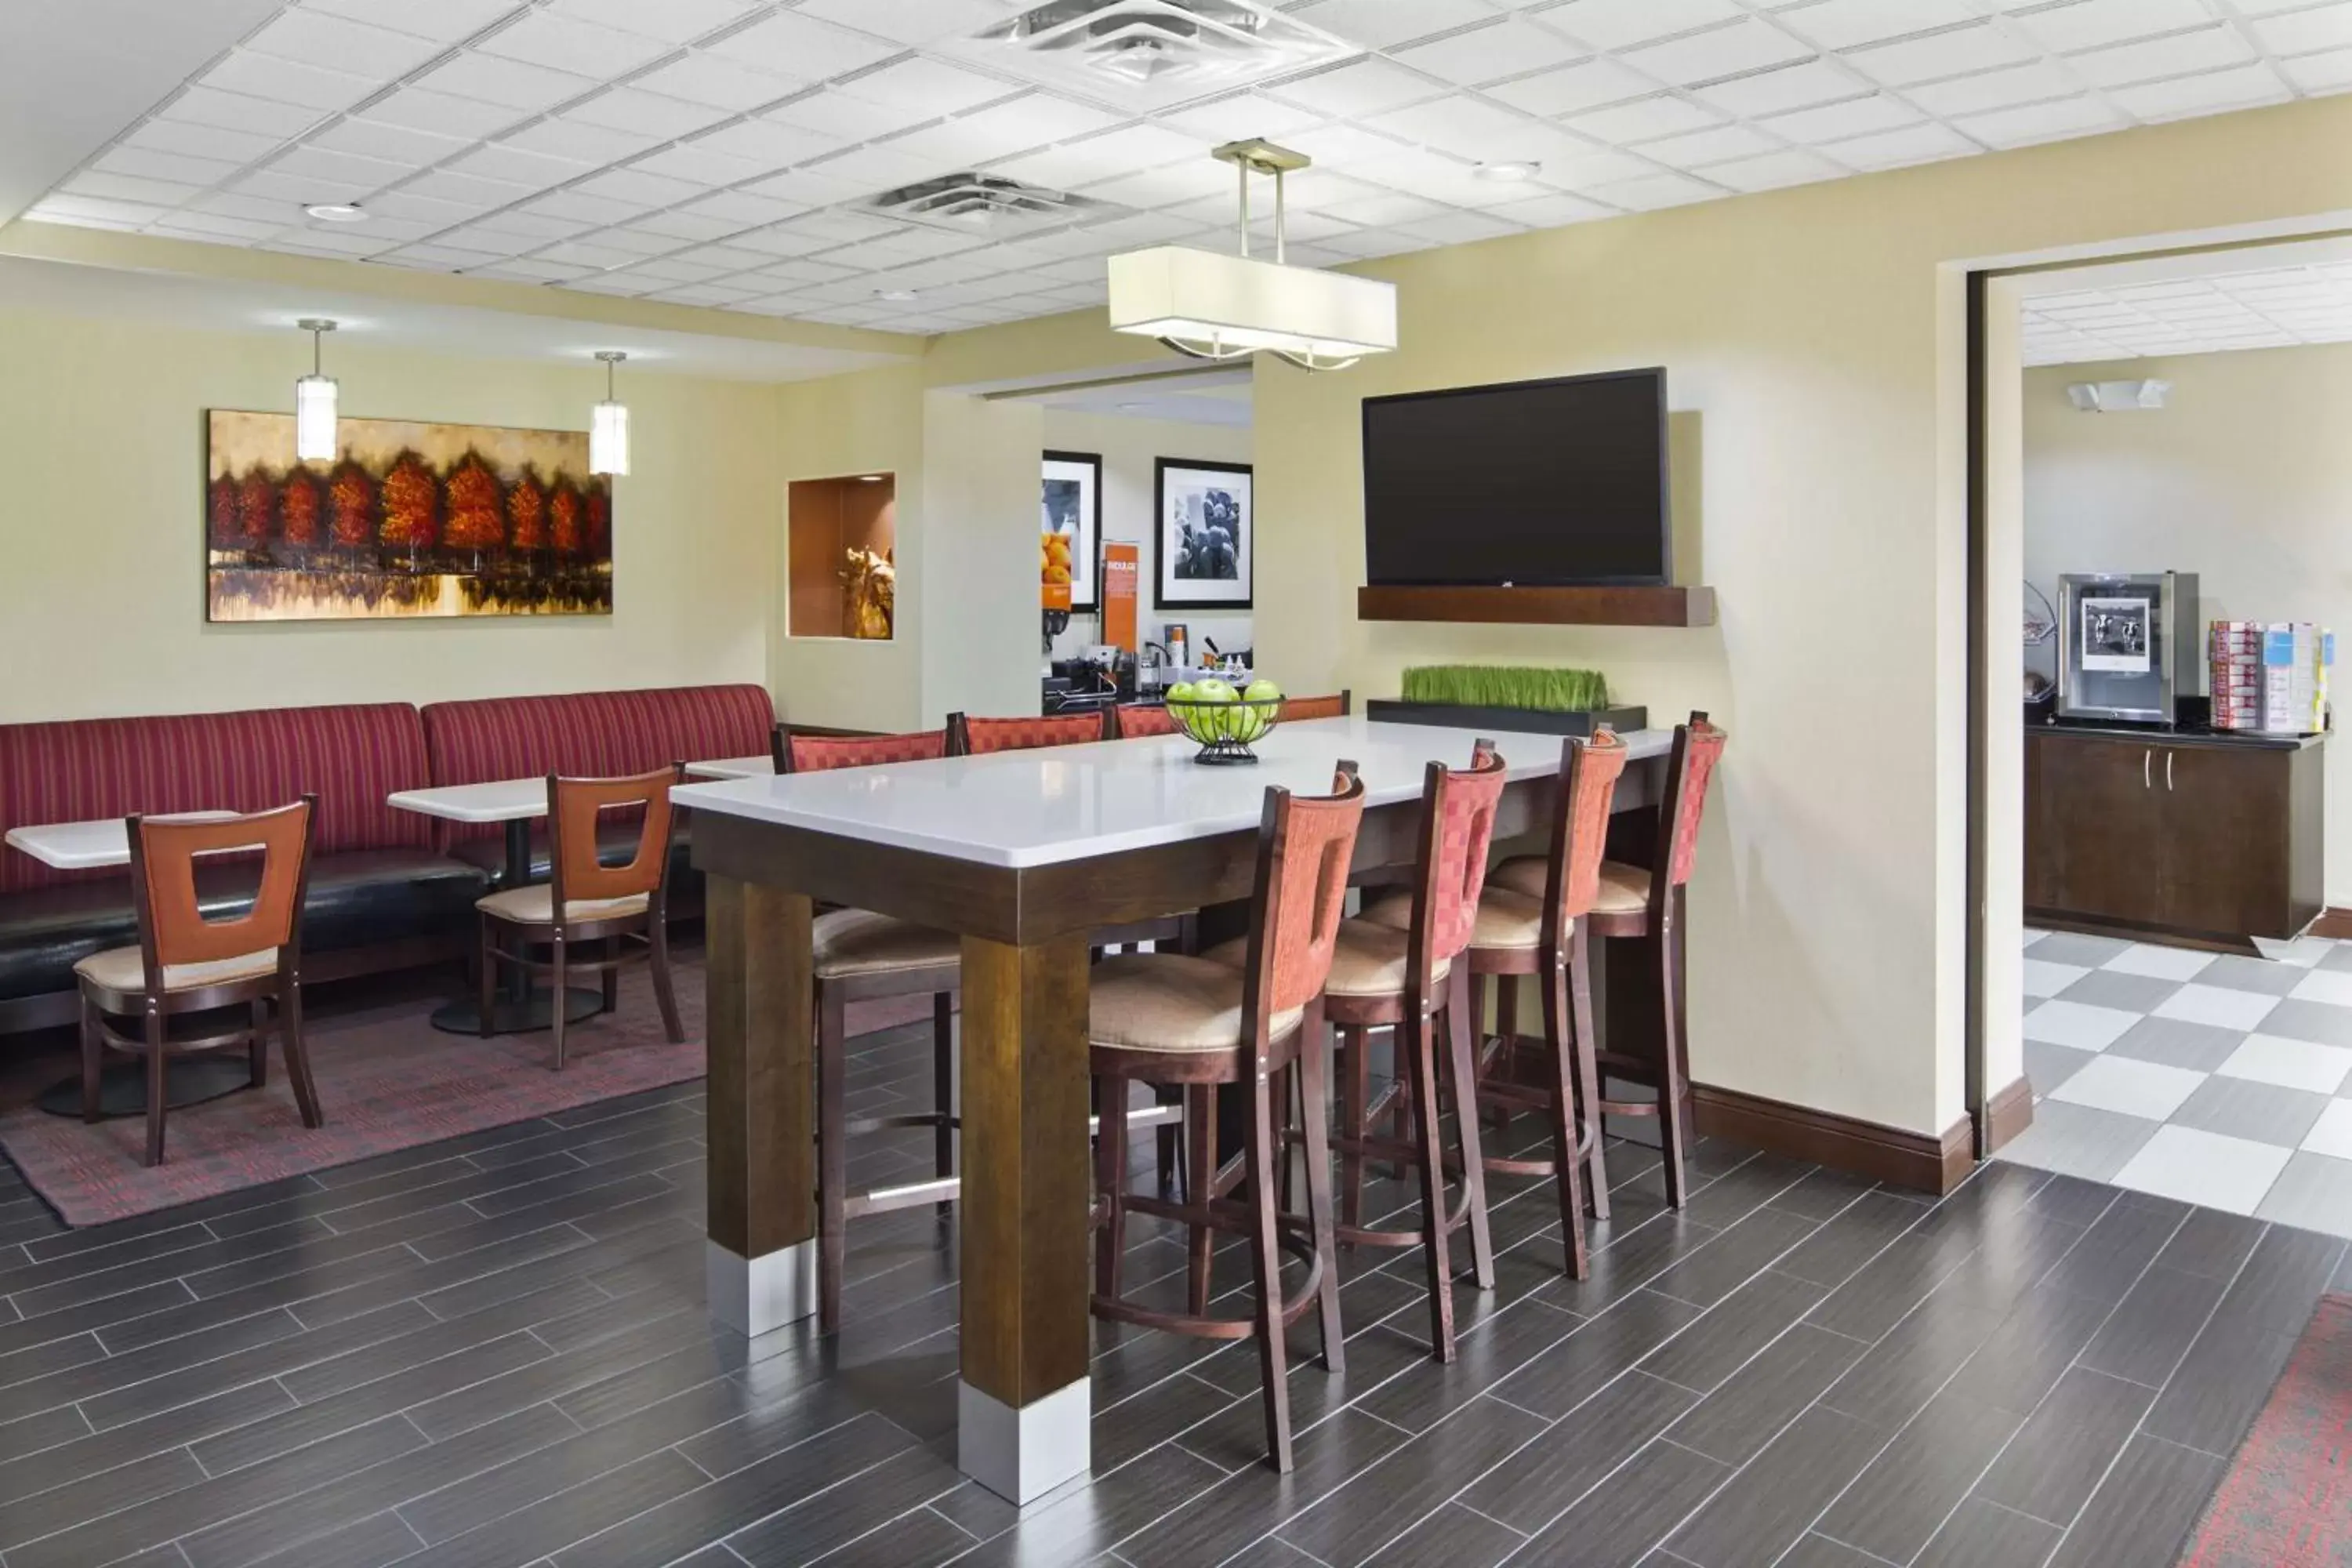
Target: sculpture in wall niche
point(871, 589)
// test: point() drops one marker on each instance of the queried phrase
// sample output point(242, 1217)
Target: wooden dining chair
point(969, 737)
point(1300, 708)
point(1169, 1018)
point(1646, 904)
point(185, 962)
point(1544, 936)
point(586, 901)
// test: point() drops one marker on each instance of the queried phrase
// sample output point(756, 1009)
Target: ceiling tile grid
point(2271, 308)
point(726, 153)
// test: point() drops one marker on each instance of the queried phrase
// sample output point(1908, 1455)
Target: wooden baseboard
point(1923, 1161)
point(2333, 923)
point(2009, 1112)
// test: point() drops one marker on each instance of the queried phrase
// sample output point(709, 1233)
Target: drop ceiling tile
point(790, 43)
point(1339, 146)
point(1835, 121)
point(84, 211)
point(1891, 149)
point(809, 187)
point(1648, 193)
point(803, 271)
point(238, 111)
point(1621, 23)
point(205, 226)
point(1242, 114)
point(2041, 122)
point(339, 44)
point(440, 114)
point(878, 168)
point(1361, 87)
point(2235, 88)
point(738, 208)
point(2029, 83)
point(639, 113)
point(911, 21)
point(1380, 24)
point(925, 88)
point(1459, 228)
point(672, 21)
point(1642, 120)
point(293, 190)
point(708, 294)
point(779, 242)
point(2326, 28)
point(320, 242)
point(472, 190)
point(701, 165)
point(341, 171)
point(441, 21)
point(1572, 88)
point(1504, 47)
point(391, 143)
point(2095, 24)
point(569, 44)
point(1589, 170)
point(1366, 244)
point(1775, 91)
point(719, 84)
point(527, 270)
point(514, 83)
point(1317, 190)
point(594, 146)
point(1550, 211)
point(1770, 171)
point(1463, 126)
point(638, 241)
point(1130, 149)
point(287, 81)
point(233, 147)
point(684, 226)
point(50, 212)
point(648, 190)
point(1719, 144)
point(530, 230)
point(531, 171)
point(2209, 49)
point(581, 253)
point(1749, 45)
point(148, 164)
point(726, 258)
point(1378, 212)
point(765, 143)
point(1955, 51)
point(1017, 124)
point(579, 207)
point(406, 203)
point(1179, 182)
point(1843, 24)
point(669, 270)
point(838, 115)
point(620, 286)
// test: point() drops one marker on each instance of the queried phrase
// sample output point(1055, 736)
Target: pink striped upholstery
point(822, 753)
point(589, 734)
point(83, 769)
point(1137, 720)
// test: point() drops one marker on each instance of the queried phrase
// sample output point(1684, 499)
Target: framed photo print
point(1208, 530)
point(1072, 507)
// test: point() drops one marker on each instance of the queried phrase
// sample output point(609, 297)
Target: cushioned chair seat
point(1624, 889)
point(357, 899)
point(1366, 960)
point(859, 942)
point(1506, 919)
point(122, 969)
point(535, 906)
point(1171, 1002)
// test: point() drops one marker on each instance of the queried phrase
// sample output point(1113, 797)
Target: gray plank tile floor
point(446, 1357)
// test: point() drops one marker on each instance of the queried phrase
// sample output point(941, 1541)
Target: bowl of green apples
point(1224, 723)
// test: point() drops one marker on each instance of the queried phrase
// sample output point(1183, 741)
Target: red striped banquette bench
point(382, 894)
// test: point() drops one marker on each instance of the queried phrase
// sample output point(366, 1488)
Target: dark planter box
point(1506, 721)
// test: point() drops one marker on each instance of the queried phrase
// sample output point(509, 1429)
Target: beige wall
point(101, 578)
point(1130, 449)
point(2245, 477)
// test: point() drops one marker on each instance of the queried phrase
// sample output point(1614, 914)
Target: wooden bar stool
point(1413, 981)
point(586, 901)
point(1163, 1018)
point(186, 964)
point(1633, 903)
point(1544, 936)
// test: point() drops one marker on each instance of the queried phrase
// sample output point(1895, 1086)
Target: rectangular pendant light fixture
point(608, 428)
point(314, 403)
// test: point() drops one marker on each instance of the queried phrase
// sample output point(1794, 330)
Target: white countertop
point(1072, 803)
point(500, 800)
point(89, 845)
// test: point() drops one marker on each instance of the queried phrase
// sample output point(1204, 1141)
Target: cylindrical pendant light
point(608, 433)
point(314, 401)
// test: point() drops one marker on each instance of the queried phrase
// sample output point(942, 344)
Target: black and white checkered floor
point(2220, 1080)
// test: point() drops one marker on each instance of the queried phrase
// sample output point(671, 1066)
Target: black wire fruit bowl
point(1225, 731)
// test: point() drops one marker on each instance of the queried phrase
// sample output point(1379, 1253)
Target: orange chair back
point(822, 753)
point(1457, 825)
point(1134, 720)
point(1300, 708)
point(1305, 846)
point(1698, 746)
point(173, 931)
point(969, 737)
point(574, 809)
point(1589, 771)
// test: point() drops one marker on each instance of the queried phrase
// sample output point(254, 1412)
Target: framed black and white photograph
point(1207, 531)
point(1073, 506)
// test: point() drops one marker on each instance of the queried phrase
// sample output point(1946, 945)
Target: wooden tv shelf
point(1669, 606)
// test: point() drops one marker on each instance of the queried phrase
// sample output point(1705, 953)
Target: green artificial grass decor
point(1506, 686)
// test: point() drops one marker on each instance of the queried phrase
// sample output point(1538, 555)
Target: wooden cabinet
point(2214, 840)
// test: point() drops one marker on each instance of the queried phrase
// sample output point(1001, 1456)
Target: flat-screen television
point(1536, 483)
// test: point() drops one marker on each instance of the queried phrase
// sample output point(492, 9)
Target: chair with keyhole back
point(586, 901)
point(861, 956)
point(1171, 1018)
point(969, 737)
point(1543, 936)
point(1647, 905)
point(1400, 964)
point(1298, 709)
point(186, 964)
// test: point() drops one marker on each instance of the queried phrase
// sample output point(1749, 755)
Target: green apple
point(1263, 691)
point(1180, 693)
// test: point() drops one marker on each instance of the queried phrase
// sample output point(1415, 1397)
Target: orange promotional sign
point(1120, 568)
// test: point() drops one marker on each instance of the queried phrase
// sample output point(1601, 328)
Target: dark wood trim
point(2008, 1113)
point(760, 1024)
point(2132, 930)
point(1620, 606)
point(1976, 854)
point(1926, 1162)
point(2332, 923)
point(55, 1009)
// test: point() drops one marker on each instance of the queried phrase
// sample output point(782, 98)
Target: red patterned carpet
point(2287, 1500)
point(387, 1080)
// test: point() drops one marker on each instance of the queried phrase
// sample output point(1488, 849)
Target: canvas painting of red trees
point(410, 519)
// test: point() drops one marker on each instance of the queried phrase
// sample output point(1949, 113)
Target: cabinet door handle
point(2168, 770)
point(2147, 767)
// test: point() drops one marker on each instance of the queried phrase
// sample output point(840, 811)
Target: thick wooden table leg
point(762, 1252)
point(1024, 1407)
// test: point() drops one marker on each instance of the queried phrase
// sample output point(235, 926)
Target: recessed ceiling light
point(337, 212)
point(895, 296)
point(1508, 173)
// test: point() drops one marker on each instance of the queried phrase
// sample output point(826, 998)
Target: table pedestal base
point(517, 1015)
point(754, 1296)
point(1021, 1455)
point(122, 1088)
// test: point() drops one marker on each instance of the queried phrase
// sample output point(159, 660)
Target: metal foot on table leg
point(1021, 1455)
point(755, 1295)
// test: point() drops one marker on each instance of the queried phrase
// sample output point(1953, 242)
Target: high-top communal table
point(1023, 854)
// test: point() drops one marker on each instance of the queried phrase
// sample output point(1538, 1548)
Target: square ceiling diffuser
point(992, 204)
point(1152, 53)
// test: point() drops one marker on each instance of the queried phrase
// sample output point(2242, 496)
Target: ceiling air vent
point(985, 203)
point(1200, 45)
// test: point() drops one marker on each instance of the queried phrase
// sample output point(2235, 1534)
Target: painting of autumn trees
point(410, 519)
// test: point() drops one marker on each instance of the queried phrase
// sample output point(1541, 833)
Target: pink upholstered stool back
point(1457, 825)
point(1589, 771)
point(1306, 844)
point(1698, 746)
point(822, 753)
point(979, 737)
point(1135, 721)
